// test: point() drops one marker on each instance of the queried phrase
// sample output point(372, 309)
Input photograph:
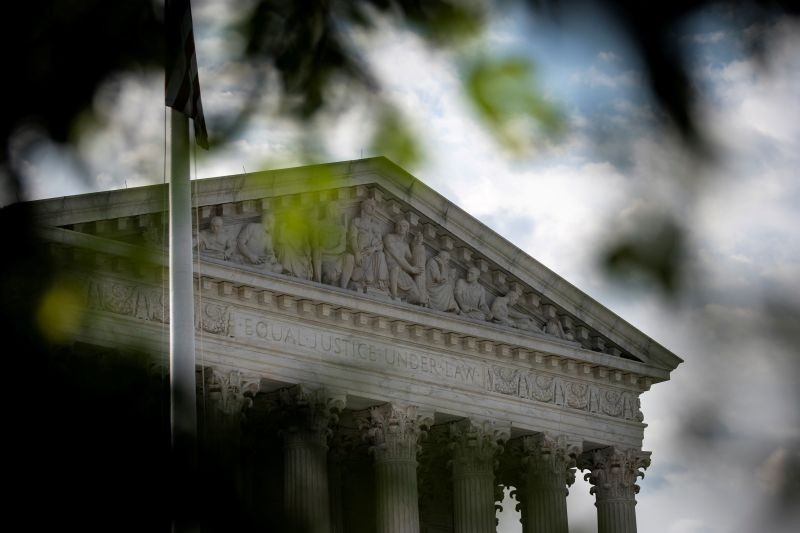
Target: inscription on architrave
point(144, 303)
point(356, 351)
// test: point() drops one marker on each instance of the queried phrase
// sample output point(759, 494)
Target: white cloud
point(712, 37)
point(690, 525)
point(608, 57)
point(593, 77)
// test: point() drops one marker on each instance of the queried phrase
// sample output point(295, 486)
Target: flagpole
point(181, 319)
point(182, 95)
point(183, 407)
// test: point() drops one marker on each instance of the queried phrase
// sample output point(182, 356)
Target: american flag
point(182, 82)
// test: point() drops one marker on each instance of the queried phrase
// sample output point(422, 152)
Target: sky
point(726, 426)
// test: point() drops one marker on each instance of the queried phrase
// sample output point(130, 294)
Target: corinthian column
point(613, 474)
point(227, 395)
point(547, 472)
point(395, 431)
point(307, 415)
point(475, 445)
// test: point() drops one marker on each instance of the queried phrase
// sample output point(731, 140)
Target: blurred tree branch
point(60, 52)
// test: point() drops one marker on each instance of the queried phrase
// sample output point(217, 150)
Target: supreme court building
point(369, 356)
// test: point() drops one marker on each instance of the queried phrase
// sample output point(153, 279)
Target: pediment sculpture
point(504, 313)
point(216, 241)
point(256, 246)
point(371, 253)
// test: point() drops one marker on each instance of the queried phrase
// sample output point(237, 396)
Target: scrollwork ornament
point(611, 403)
point(545, 455)
point(504, 380)
point(577, 395)
point(395, 430)
point(476, 444)
point(613, 473)
point(230, 392)
point(309, 412)
point(213, 318)
point(541, 387)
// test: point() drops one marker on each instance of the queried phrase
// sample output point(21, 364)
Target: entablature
point(560, 318)
point(303, 299)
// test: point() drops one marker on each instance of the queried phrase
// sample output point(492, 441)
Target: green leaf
point(505, 94)
point(394, 139)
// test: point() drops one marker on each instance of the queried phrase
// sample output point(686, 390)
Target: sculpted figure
point(440, 279)
point(215, 241)
point(554, 327)
point(293, 248)
point(503, 312)
point(330, 255)
point(366, 246)
point(471, 296)
point(255, 244)
point(418, 258)
point(399, 261)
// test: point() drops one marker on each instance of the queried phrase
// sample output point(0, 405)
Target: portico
point(329, 360)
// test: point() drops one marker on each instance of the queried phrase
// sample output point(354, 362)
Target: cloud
point(690, 525)
point(608, 57)
point(593, 77)
point(708, 37)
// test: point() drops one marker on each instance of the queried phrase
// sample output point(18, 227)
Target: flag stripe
point(182, 91)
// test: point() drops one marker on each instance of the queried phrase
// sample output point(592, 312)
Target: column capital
point(613, 472)
point(302, 396)
point(395, 429)
point(475, 441)
point(229, 391)
point(308, 410)
point(555, 453)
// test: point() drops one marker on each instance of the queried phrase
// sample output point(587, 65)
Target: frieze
point(212, 318)
point(148, 303)
point(152, 304)
point(559, 391)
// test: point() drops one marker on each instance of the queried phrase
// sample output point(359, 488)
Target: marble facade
point(401, 355)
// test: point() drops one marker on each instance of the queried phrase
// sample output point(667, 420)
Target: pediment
point(368, 227)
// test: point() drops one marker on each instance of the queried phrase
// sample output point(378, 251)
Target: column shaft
point(548, 471)
point(616, 516)
point(335, 494)
point(395, 431)
point(473, 500)
point(476, 445)
point(545, 510)
point(308, 414)
point(613, 473)
point(306, 499)
point(397, 497)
